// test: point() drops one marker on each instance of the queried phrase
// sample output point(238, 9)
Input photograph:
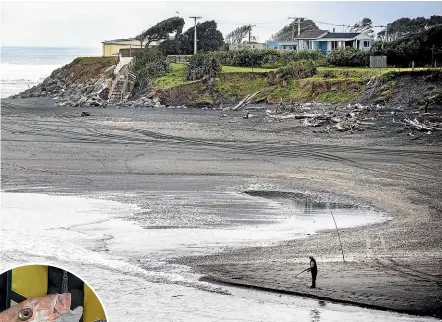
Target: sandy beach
point(393, 265)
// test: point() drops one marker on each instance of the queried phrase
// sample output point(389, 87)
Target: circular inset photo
point(41, 293)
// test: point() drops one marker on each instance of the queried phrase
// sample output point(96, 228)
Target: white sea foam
point(16, 78)
point(24, 67)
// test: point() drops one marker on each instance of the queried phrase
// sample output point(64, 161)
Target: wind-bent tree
point(161, 31)
point(209, 38)
point(286, 33)
point(417, 47)
point(365, 26)
point(236, 36)
point(405, 26)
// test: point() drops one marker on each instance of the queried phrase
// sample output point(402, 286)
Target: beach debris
point(248, 116)
point(245, 101)
point(415, 124)
point(85, 114)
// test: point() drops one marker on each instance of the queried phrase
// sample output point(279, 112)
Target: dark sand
point(395, 265)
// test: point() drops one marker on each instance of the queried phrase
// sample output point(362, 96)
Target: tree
point(236, 36)
point(415, 47)
point(406, 26)
point(365, 26)
point(286, 33)
point(161, 31)
point(149, 65)
point(209, 38)
point(170, 47)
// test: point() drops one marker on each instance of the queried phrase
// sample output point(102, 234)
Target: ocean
point(23, 67)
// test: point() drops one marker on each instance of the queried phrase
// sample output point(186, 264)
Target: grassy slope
point(82, 69)
point(330, 84)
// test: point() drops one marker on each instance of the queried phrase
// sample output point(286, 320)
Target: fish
point(42, 309)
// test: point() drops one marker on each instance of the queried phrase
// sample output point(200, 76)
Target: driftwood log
point(415, 124)
point(246, 100)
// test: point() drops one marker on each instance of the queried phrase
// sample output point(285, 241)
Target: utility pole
point(293, 27)
point(194, 43)
point(250, 32)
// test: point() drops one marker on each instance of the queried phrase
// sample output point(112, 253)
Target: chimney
point(333, 29)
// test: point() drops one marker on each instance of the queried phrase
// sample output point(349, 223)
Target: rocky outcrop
point(84, 82)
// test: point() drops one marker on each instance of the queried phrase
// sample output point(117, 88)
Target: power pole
point(293, 27)
point(299, 26)
point(194, 43)
point(250, 32)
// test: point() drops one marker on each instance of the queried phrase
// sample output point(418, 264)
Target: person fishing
point(314, 270)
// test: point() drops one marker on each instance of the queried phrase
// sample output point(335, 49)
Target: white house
point(327, 41)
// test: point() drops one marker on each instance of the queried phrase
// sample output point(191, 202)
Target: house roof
point(311, 34)
point(117, 40)
point(284, 42)
point(342, 35)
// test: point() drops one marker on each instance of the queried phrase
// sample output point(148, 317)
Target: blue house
point(308, 40)
point(327, 41)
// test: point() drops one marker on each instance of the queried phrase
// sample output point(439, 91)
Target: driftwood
point(296, 116)
point(246, 100)
point(280, 117)
point(415, 124)
point(254, 108)
point(347, 126)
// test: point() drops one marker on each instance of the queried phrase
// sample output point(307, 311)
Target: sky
point(87, 24)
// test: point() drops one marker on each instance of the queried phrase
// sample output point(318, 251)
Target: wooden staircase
point(122, 84)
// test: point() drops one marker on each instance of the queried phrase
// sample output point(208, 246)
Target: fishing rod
point(301, 272)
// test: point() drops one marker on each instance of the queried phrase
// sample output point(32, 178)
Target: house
point(306, 40)
point(327, 41)
point(336, 40)
point(112, 47)
point(248, 46)
point(282, 45)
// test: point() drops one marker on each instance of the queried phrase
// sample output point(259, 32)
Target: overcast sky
point(86, 24)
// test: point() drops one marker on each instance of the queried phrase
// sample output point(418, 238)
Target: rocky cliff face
point(84, 82)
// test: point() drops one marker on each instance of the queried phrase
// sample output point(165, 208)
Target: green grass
point(235, 85)
point(177, 75)
point(173, 78)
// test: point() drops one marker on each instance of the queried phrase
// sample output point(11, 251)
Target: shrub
point(148, 65)
point(267, 58)
point(203, 66)
point(348, 56)
point(415, 47)
point(296, 70)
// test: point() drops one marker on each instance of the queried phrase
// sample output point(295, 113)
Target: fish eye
point(25, 314)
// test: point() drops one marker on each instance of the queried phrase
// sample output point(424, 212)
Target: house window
point(334, 45)
point(366, 43)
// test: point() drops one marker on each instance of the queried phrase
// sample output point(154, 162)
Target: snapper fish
point(50, 308)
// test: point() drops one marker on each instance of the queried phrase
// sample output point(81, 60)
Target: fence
point(178, 58)
point(130, 52)
point(378, 61)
